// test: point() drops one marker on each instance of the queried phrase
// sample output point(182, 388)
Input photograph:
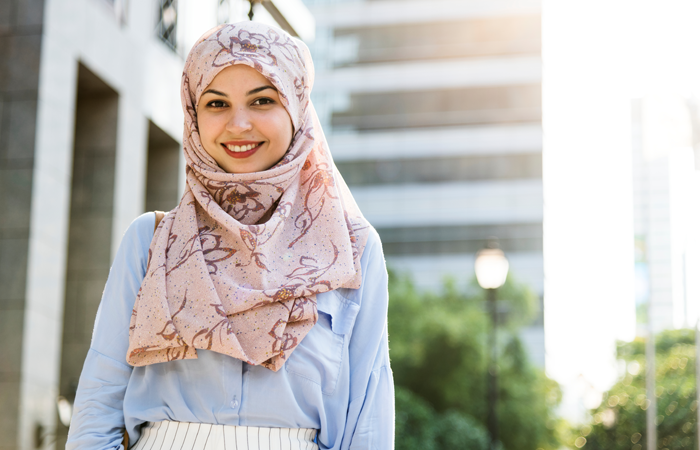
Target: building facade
point(433, 113)
point(666, 216)
point(90, 137)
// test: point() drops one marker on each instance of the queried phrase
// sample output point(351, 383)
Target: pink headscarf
point(236, 266)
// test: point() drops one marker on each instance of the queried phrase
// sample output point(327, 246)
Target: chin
point(245, 168)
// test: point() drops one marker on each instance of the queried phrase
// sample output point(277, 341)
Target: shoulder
point(136, 240)
point(140, 231)
point(372, 260)
point(142, 225)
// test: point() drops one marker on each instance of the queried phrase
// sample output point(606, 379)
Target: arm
point(98, 417)
point(370, 423)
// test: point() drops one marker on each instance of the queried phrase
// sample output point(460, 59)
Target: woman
point(255, 315)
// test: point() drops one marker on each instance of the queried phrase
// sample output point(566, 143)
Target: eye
point(216, 104)
point(263, 101)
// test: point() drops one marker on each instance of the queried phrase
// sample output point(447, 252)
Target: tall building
point(90, 132)
point(433, 114)
point(666, 215)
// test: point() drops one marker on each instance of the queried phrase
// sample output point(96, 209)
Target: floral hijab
point(236, 266)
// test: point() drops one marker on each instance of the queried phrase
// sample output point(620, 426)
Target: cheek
point(282, 130)
point(288, 129)
point(204, 126)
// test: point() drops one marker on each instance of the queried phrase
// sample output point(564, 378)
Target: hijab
point(235, 268)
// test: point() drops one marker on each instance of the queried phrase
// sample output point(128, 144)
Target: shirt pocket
point(320, 355)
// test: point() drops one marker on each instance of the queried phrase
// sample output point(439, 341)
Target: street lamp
point(491, 267)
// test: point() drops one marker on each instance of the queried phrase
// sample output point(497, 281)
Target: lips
point(241, 149)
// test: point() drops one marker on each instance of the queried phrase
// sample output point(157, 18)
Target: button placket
point(231, 401)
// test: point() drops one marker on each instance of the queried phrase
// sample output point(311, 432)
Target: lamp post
point(491, 267)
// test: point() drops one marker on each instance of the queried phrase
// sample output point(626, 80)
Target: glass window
point(167, 22)
point(445, 169)
point(516, 237)
point(445, 107)
point(464, 38)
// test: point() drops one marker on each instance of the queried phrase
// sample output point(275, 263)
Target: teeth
point(241, 148)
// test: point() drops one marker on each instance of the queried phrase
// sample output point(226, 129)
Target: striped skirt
point(169, 435)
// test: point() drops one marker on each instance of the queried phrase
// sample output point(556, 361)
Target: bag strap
point(159, 217)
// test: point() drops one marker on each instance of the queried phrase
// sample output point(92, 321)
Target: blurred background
point(567, 129)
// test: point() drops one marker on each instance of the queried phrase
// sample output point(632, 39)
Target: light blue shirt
point(337, 380)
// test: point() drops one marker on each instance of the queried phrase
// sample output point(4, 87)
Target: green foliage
point(419, 427)
point(414, 421)
point(439, 356)
point(517, 303)
point(620, 420)
point(527, 400)
point(457, 430)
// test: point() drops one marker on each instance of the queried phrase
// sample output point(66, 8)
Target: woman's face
point(242, 124)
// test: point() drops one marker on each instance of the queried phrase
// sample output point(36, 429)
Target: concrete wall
point(20, 54)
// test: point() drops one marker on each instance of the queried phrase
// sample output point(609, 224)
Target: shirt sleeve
point(98, 416)
point(370, 422)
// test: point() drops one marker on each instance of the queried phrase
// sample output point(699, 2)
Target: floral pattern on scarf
point(235, 268)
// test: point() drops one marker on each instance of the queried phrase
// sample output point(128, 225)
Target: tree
point(439, 355)
point(620, 420)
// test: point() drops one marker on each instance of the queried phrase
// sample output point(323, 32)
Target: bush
point(455, 430)
point(415, 421)
point(419, 427)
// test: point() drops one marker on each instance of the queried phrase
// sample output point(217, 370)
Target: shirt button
point(234, 403)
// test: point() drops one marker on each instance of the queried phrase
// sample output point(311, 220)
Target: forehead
point(238, 77)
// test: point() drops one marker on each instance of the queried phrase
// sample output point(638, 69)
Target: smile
point(241, 149)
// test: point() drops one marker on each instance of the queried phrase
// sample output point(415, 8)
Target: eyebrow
point(251, 92)
point(259, 89)
point(214, 91)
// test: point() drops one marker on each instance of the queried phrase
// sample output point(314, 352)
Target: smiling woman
point(242, 123)
point(253, 315)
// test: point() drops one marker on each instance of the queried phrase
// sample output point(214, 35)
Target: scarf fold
point(236, 266)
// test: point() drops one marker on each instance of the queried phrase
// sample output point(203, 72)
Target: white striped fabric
point(168, 435)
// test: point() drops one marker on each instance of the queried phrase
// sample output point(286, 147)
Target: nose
point(239, 121)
